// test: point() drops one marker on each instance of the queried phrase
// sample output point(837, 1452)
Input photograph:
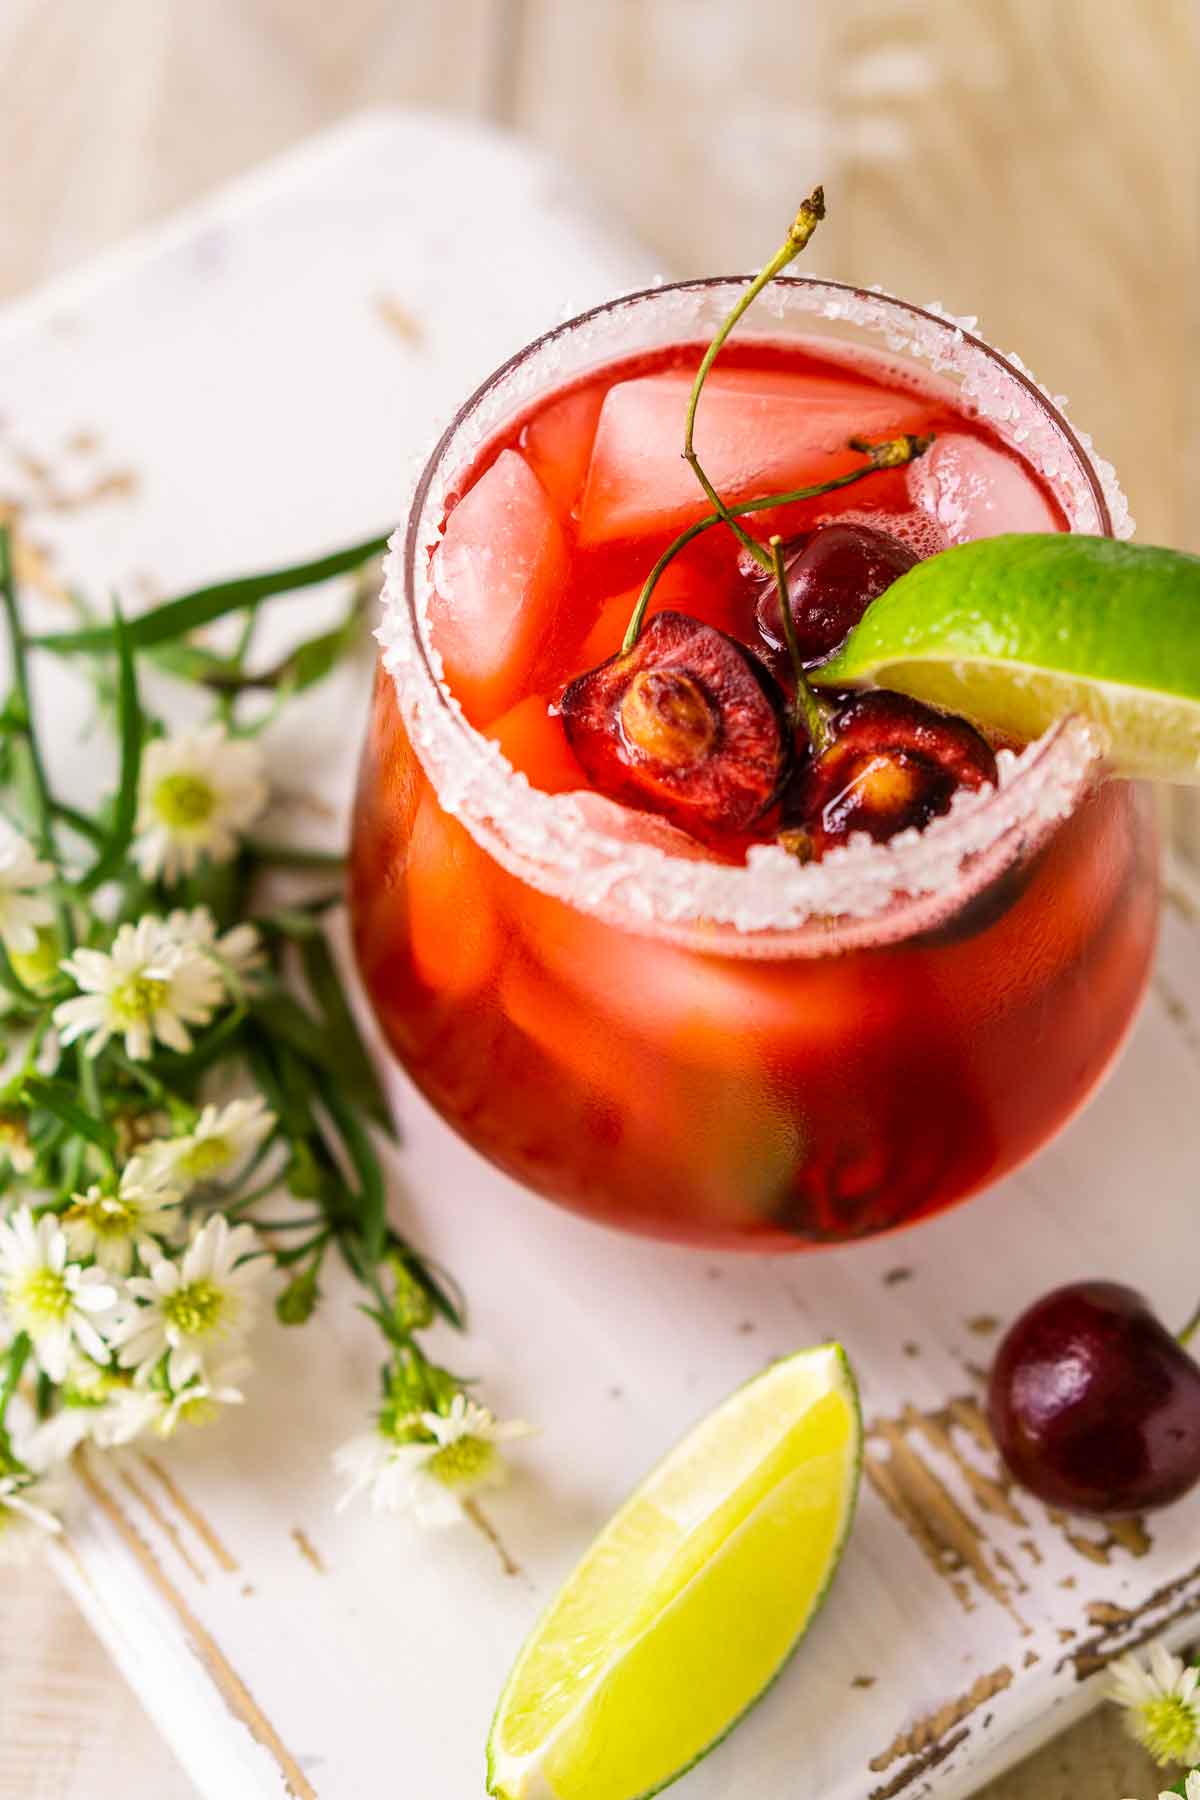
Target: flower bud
point(297, 1302)
point(412, 1308)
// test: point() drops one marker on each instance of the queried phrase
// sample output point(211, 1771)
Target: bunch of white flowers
point(162, 1076)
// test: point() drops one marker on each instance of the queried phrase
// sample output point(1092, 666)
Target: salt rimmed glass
point(860, 901)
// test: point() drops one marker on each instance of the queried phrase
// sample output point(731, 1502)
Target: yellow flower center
point(184, 800)
point(1170, 1727)
point(137, 998)
point(205, 1156)
point(463, 1463)
point(202, 1410)
point(197, 1310)
point(108, 1215)
point(14, 1135)
point(38, 1299)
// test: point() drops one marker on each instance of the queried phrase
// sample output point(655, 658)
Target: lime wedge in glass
point(691, 1599)
point(1014, 632)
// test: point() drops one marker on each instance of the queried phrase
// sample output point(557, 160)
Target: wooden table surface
point(1034, 161)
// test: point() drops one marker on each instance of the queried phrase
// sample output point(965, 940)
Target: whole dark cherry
point(833, 574)
point(1094, 1406)
point(892, 764)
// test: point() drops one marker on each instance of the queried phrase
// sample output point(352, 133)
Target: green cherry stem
point(799, 232)
point(1190, 1329)
point(894, 453)
point(806, 706)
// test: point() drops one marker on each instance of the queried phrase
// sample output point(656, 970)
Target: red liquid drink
point(706, 1041)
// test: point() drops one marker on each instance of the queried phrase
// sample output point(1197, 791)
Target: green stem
point(890, 455)
point(43, 805)
point(182, 1111)
point(89, 1093)
point(18, 1356)
point(807, 706)
point(288, 856)
point(799, 232)
point(1191, 1328)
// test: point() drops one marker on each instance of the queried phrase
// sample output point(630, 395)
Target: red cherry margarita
point(572, 911)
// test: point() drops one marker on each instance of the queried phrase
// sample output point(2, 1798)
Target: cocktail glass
point(766, 1056)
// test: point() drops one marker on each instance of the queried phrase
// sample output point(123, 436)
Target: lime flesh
point(1014, 632)
point(692, 1598)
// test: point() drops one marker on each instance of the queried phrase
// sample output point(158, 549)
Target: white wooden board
point(251, 387)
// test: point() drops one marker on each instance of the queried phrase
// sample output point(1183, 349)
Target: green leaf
point(130, 731)
point(203, 606)
point(373, 1196)
point(59, 1098)
point(284, 1018)
point(205, 1049)
point(341, 1033)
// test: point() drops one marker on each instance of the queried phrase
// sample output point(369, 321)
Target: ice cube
point(757, 432)
point(454, 934)
point(634, 827)
point(679, 588)
point(557, 444)
point(499, 574)
point(533, 741)
point(976, 490)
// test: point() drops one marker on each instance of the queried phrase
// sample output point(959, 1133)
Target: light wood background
point(1034, 161)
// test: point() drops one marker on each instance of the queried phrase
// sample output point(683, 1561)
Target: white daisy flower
point(109, 1226)
point(430, 1478)
point(54, 1300)
point(85, 1401)
point(221, 1139)
point(199, 792)
point(23, 906)
point(25, 1516)
point(147, 986)
point(191, 1308)
point(163, 1410)
point(239, 950)
point(1160, 1702)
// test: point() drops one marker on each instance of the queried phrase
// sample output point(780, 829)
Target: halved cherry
point(833, 574)
point(688, 724)
point(893, 763)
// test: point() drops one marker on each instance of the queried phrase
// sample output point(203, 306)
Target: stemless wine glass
point(769, 1056)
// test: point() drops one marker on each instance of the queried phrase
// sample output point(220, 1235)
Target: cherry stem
point(1190, 1329)
point(799, 232)
point(806, 707)
point(893, 454)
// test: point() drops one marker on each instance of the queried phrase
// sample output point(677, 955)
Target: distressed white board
point(250, 387)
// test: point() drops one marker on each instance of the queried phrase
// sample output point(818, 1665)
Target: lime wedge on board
point(691, 1600)
point(1014, 632)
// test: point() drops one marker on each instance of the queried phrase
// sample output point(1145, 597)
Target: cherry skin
point(688, 724)
point(833, 574)
point(892, 764)
point(1094, 1405)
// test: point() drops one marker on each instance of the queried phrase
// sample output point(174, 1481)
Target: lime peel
point(692, 1599)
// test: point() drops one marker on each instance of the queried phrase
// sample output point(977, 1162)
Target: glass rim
point(864, 892)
